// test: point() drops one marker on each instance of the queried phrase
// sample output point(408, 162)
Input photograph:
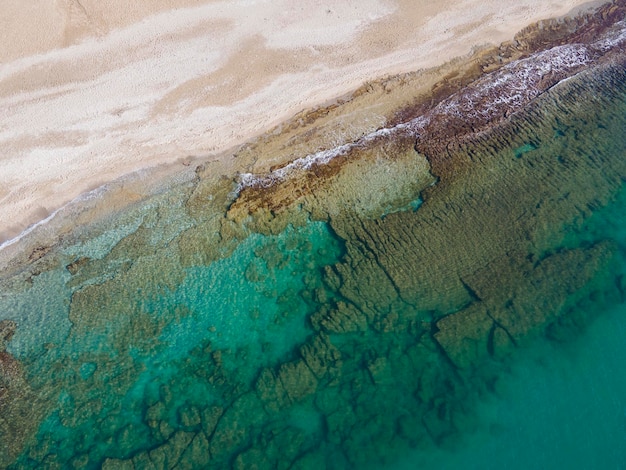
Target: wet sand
point(92, 91)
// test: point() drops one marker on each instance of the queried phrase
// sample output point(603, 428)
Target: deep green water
point(264, 356)
point(560, 406)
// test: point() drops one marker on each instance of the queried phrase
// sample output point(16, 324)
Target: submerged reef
point(344, 308)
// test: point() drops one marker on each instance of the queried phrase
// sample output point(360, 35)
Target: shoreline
point(62, 162)
point(460, 107)
point(367, 290)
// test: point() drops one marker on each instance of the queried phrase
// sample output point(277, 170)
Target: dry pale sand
point(91, 90)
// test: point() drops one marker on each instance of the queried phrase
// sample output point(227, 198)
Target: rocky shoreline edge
point(473, 97)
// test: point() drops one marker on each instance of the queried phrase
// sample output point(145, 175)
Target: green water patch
point(260, 284)
point(560, 405)
point(411, 206)
point(527, 147)
point(199, 343)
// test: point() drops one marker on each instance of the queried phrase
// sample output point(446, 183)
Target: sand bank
point(92, 91)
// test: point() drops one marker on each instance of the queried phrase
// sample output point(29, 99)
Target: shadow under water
point(427, 300)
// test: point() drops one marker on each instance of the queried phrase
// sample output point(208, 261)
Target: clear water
point(559, 406)
point(286, 350)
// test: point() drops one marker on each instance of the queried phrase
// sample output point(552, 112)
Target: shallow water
point(184, 339)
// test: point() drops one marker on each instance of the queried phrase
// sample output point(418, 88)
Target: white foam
point(513, 86)
point(305, 163)
point(615, 37)
point(320, 158)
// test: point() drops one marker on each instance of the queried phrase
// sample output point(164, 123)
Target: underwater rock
point(546, 292)
point(237, 425)
point(434, 375)
point(464, 335)
point(253, 459)
point(75, 266)
point(297, 380)
point(340, 424)
point(197, 454)
point(339, 318)
point(310, 460)
point(169, 454)
point(198, 246)
point(287, 444)
point(7, 330)
point(189, 416)
point(117, 464)
point(127, 439)
point(210, 417)
point(142, 460)
point(322, 358)
point(271, 391)
point(155, 414)
point(276, 449)
point(377, 428)
point(438, 423)
point(20, 407)
point(380, 371)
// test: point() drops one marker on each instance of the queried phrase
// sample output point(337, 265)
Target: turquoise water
point(558, 406)
point(561, 400)
point(480, 326)
point(247, 308)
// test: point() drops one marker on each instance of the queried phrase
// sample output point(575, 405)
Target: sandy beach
point(94, 90)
